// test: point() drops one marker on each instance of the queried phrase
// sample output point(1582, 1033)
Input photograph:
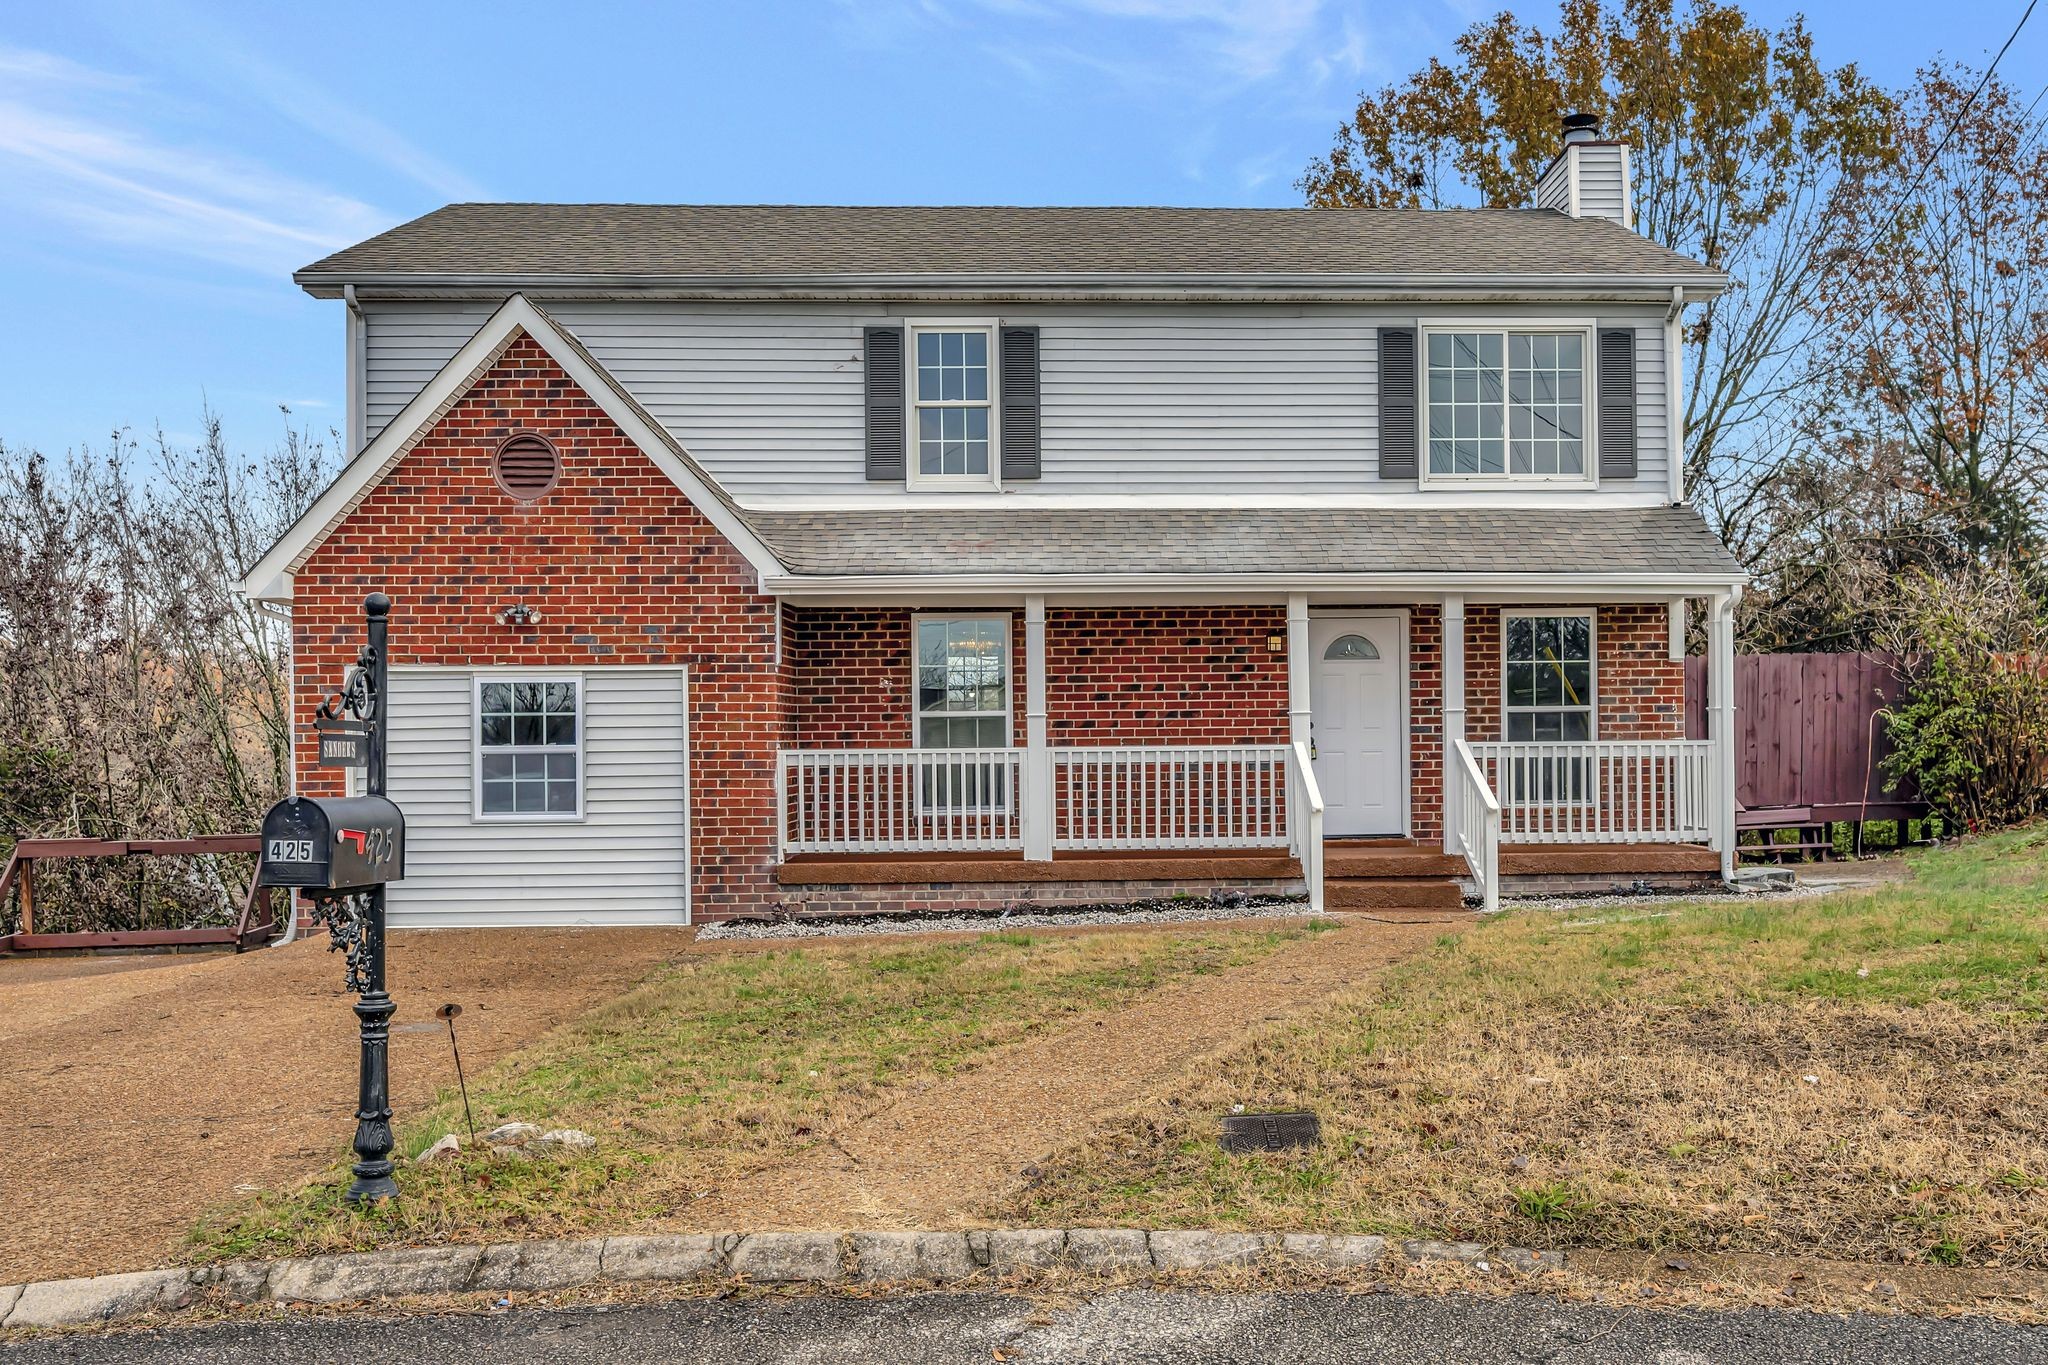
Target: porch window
point(1548, 676)
point(963, 702)
point(950, 405)
point(529, 748)
point(963, 682)
point(1507, 404)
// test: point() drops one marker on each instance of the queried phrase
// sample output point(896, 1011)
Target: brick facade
point(1165, 675)
point(622, 567)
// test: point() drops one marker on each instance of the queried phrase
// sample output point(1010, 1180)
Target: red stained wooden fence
point(1809, 736)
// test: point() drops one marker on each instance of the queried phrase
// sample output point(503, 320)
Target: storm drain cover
point(1269, 1132)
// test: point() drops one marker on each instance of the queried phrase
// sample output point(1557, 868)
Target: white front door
point(1358, 667)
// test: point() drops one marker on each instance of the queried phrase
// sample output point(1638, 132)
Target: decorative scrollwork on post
point(348, 932)
point(357, 695)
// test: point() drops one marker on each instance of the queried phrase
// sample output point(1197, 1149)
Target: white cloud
point(214, 52)
point(88, 165)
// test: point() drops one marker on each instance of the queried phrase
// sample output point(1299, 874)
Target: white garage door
point(549, 797)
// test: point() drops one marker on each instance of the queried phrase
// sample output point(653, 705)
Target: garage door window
point(529, 748)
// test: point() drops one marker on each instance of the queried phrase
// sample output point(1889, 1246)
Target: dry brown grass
point(722, 1064)
point(1644, 1083)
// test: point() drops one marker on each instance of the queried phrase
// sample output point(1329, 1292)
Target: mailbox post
point(340, 852)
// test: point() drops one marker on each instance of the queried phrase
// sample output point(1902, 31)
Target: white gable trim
point(271, 579)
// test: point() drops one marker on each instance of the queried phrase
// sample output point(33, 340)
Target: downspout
point(1674, 404)
point(358, 361)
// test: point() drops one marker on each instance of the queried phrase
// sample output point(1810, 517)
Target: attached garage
point(543, 796)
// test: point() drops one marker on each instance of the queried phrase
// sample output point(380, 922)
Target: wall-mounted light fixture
point(1276, 644)
point(518, 614)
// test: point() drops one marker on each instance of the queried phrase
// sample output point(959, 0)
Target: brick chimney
point(1589, 178)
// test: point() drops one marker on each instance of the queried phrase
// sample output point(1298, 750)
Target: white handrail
point(1601, 791)
point(1475, 823)
point(1308, 822)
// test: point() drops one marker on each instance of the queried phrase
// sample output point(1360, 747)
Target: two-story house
point(883, 558)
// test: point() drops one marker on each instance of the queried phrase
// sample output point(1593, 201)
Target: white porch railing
point(1177, 796)
point(899, 800)
point(1474, 814)
point(1307, 822)
point(1604, 791)
point(1149, 797)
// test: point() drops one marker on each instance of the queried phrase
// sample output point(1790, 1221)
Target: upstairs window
point(951, 388)
point(1507, 404)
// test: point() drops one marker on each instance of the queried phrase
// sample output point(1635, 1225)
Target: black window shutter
point(1020, 402)
point(1617, 403)
point(884, 347)
point(1398, 441)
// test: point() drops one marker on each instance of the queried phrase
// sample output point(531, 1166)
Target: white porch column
point(1453, 701)
point(1721, 722)
point(1298, 731)
point(1037, 812)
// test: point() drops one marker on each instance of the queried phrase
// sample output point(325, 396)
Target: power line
point(1949, 133)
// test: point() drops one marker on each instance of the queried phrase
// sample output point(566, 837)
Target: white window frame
point(917, 619)
point(476, 747)
point(1591, 616)
point(1588, 399)
point(980, 483)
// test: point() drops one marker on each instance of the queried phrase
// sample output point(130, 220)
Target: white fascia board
point(1574, 497)
point(1536, 285)
point(1576, 587)
point(375, 461)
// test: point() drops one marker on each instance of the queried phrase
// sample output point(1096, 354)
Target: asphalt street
point(1132, 1326)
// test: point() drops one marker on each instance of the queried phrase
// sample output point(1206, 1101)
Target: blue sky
point(165, 165)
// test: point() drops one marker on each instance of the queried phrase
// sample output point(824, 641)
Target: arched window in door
point(1351, 647)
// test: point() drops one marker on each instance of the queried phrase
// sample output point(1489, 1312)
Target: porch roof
point(1660, 542)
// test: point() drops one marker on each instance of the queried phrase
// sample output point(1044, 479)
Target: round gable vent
point(527, 466)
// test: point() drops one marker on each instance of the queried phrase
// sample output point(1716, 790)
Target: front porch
point(1065, 811)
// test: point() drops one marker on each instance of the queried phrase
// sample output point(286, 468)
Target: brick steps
point(1392, 893)
point(1391, 874)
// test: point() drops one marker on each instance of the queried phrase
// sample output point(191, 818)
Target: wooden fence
point(1810, 739)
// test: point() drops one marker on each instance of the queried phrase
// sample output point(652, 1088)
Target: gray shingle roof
point(1567, 542)
point(637, 242)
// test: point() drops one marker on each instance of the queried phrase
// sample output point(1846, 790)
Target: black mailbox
point(318, 843)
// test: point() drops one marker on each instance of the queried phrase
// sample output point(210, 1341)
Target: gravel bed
point(1649, 900)
point(986, 921)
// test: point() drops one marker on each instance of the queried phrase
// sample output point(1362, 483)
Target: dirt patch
point(946, 1154)
point(144, 1092)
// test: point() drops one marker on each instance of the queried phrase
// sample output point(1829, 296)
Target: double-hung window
point(529, 748)
point(1548, 682)
point(1507, 404)
point(963, 702)
point(952, 405)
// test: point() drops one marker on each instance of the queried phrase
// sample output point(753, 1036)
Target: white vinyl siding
point(623, 862)
point(1167, 399)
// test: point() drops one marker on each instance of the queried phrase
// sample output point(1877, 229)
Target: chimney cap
point(1581, 127)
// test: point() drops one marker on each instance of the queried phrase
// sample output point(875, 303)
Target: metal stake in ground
point(446, 1014)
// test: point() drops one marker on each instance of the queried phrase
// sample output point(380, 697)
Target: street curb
point(761, 1258)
